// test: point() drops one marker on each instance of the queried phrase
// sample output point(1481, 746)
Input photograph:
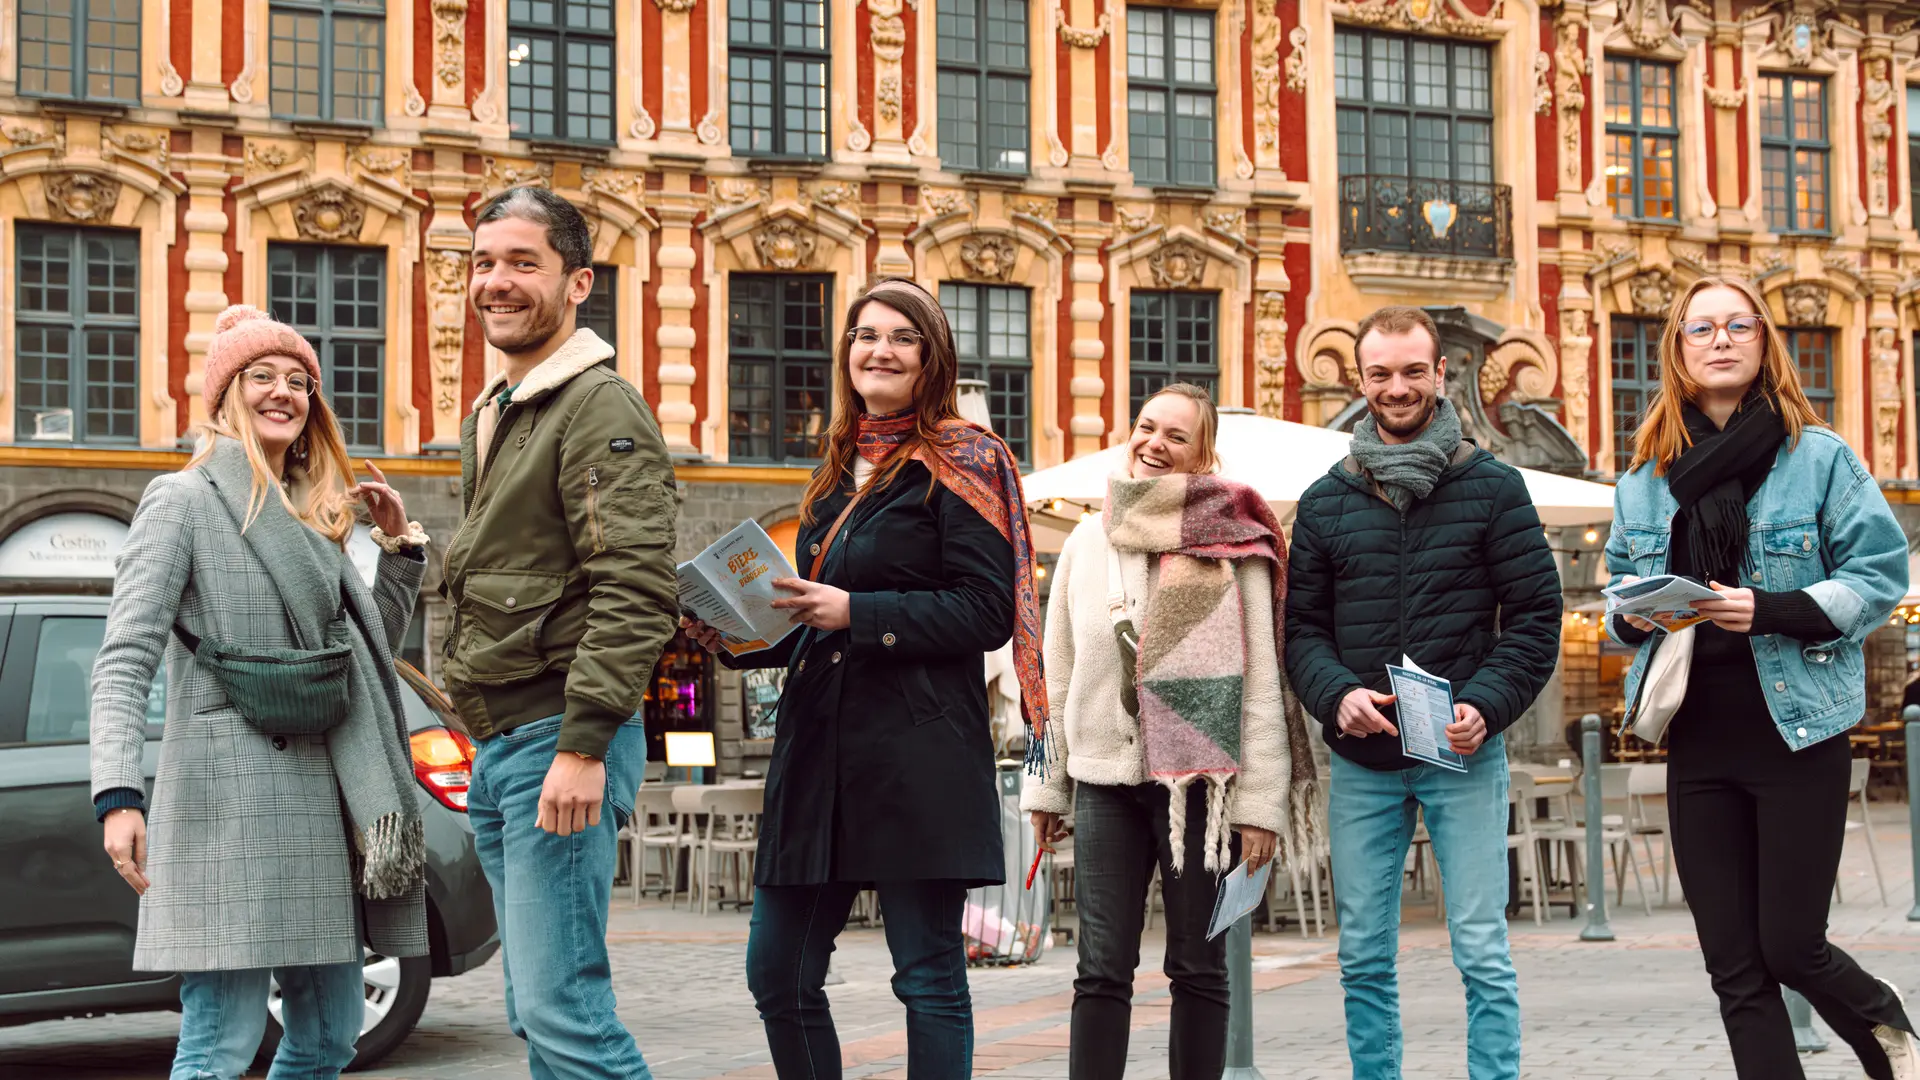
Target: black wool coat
point(1464, 582)
point(883, 766)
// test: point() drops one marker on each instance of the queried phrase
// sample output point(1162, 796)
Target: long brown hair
point(317, 465)
point(1206, 434)
point(1663, 433)
point(933, 392)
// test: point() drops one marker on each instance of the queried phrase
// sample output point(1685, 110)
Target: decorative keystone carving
point(1084, 39)
point(85, 197)
point(989, 258)
point(1806, 303)
point(1652, 291)
point(784, 245)
point(329, 214)
point(1179, 265)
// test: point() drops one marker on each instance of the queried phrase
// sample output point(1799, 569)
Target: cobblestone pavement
point(1637, 1007)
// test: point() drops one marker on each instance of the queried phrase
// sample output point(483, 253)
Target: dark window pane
point(1172, 340)
point(76, 334)
point(336, 298)
point(779, 365)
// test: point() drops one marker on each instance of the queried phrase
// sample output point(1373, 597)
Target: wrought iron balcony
point(1426, 217)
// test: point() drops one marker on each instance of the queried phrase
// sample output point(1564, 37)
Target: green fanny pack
point(282, 691)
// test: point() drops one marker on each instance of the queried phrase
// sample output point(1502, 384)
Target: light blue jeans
point(550, 896)
point(223, 1016)
point(1371, 817)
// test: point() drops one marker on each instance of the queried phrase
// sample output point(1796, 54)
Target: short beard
point(1412, 429)
point(546, 316)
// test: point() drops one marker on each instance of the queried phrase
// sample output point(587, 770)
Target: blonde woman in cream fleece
point(1193, 769)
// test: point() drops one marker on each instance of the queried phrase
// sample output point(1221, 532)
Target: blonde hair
point(1663, 434)
point(317, 466)
point(1205, 436)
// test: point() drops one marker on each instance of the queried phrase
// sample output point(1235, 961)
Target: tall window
point(1636, 378)
point(983, 84)
point(1813, 354)
point(337, 298)
point(990, 332)
point(779, 366)
point(777, 77)
point(327, 59)
point(1413, 107)
point(1170, 96)
point(1642, 133)
point(77, 334)
point(1173, 341)
point(1913, 149)
point(80, 49)
point(1794, 152)
point(560, 69)
point(599, 312)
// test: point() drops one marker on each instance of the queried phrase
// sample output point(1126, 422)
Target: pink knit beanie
point(243, 334)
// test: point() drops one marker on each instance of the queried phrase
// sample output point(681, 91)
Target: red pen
point(1035, 868)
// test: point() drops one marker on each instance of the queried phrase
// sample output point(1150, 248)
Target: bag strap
point(1124, 634)
point(826, 545)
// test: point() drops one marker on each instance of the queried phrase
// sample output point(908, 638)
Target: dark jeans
point(1120, 834)
point(1757, 831)
point(787, 950)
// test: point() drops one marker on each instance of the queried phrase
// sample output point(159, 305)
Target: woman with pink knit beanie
point(284, 834)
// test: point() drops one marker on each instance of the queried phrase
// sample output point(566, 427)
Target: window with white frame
point(84, 49)
point(777, 64)
point(76, 334)
point(326, 59)
point(983, 85)
point(1643, 136)
point(1170, 96)
point(560, 68)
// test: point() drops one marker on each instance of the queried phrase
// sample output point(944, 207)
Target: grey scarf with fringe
point(1408, 471)
point(318, 584)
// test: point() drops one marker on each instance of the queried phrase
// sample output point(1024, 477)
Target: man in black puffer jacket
point(1420, 545)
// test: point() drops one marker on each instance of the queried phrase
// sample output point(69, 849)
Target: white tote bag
point(1664, 686)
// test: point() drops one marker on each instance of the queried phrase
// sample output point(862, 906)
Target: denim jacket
point(1818, 523)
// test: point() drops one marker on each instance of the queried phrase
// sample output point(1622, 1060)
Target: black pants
point(1757, 830)
point(1120, 833)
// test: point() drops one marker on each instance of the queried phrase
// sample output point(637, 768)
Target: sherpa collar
point(575, 356)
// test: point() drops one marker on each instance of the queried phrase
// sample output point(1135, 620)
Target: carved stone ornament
point(450, 40)
point(1233, 222)
point(85, 197)
point(1297, 60)
point(989, 258)
point(888, 97)
point(1693, 253)
point(414, 104)
point(1040, 207)
point(328, 214)
point(1266, 76)
point(447, 320)
point(858, 137)
point(1134, 219)
point(1428, 16)
point(23, 135)
point(889, 29)
point(676, 7)
point(1806, 303)
point(1084, 39)
point(943, 201)
point(148, 146)
point(1876, 109)
point(267, 157)
point(1803, 29)
point(709, 131)
point(620, 185)
point(730, 191)
point(1727, 99)
point(500, 176)
point(837, 194)
point(1648, 23)
point(1574, 66)
point(1576, 345)
point(1771, 261)
point(1178, 265)
point(1542, 84)
point(784, 245)
point(1886, 399)
point(1270, 353)
point(1652, 291)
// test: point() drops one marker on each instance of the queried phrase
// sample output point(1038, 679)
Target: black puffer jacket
point(1464, 583)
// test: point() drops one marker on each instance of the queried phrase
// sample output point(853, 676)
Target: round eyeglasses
point(901, 338)
point(297, 383)
point(1741, 329)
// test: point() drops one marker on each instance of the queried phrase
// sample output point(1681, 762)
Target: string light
point(1039, 573)
point(1593, 536)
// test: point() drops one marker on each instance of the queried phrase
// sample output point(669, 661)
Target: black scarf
point(1713, 479)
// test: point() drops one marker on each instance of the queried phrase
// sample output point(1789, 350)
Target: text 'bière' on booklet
point(729, 587)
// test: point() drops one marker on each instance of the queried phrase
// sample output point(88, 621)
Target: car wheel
point(396, 996)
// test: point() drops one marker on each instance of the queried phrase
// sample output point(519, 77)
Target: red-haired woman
point(1738, 482)
point(917, 562)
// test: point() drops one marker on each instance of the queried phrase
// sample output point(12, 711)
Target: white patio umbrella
point(1279, 459)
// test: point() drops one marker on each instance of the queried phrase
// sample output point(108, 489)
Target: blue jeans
point(787, 951)
point(550, 896)
point(223, 1016)
point(1370, 816)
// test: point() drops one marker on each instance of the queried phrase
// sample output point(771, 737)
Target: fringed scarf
point(976, 465)
point(1192, 661)
point(1712, 480)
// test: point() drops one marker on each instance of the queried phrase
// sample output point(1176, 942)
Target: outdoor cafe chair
point(1521, 839)
point(1857, 788)
point(654, 828)
point(732, 833)
point(1645, 821)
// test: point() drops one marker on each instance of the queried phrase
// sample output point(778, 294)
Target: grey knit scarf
point(1408, 471)
point(316, 581)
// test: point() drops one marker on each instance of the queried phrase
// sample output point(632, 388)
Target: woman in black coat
point(917, 562)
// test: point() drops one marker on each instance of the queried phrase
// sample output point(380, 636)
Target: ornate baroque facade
point(1218, 189)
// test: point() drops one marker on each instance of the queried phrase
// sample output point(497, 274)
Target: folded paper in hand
point(1665, 600)
point(1240, 892)
point(729, 587)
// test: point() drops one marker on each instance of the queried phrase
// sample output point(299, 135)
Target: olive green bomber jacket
point(561, 577)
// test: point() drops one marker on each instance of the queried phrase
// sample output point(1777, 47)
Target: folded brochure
point(1240, 892)
point(729, 587)
point(1424, 704)
point(1665, 600)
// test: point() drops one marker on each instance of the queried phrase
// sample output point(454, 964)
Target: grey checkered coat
point(246, 844)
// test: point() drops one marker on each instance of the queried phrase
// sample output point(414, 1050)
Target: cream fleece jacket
point(1092, 740)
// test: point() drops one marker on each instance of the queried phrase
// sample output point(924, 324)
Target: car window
point(58, 705)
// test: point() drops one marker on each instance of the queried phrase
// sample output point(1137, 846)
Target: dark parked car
point(67, 920)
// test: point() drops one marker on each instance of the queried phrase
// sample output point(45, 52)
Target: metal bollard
point(1911, 714)
point(1805, 1039)
point(1240, 1002)
point(1596, 928)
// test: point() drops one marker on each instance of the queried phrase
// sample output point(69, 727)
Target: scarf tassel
point(392, 852)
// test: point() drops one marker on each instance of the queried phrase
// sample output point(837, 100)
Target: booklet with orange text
point(729, 587)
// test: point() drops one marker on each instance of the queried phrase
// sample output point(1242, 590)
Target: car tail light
point(443, 763)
